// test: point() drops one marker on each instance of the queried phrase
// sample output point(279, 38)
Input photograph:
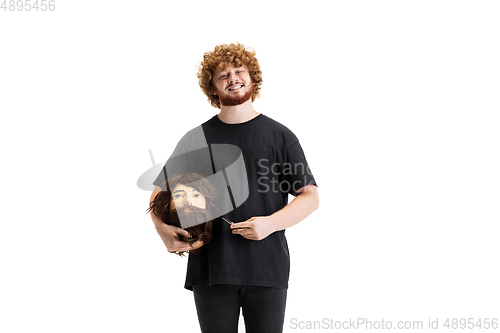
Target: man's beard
point(228, 100)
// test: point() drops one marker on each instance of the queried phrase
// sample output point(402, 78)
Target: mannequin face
point(232, 85)
point(183, 195)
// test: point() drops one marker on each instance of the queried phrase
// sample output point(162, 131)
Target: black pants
point(218, 308)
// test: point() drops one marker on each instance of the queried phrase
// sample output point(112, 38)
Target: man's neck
point(237, 114)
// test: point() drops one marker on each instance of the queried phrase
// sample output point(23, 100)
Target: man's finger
point(181, 246)
point(239, 225)
point(247, 233)
point(243, 231)
point(183, 232)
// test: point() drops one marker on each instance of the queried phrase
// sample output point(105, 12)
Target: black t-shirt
point(275, 167)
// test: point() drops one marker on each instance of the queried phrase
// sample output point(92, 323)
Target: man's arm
point(168, 233)
point(257, 228)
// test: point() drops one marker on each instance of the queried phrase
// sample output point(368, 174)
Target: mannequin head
point(188, 197)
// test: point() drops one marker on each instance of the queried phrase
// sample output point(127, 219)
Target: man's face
point(183, 195)
point(232, 85)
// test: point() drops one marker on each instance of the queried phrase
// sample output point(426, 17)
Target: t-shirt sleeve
point(296, 170)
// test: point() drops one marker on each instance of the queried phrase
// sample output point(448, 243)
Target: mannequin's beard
point(188, 216)
point(197, 221)
point(228, 100)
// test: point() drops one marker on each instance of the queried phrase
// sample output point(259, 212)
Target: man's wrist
point(273, 222)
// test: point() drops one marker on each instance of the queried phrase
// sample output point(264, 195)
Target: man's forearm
point(298, 209)
point(168, 233)
point(156, 219)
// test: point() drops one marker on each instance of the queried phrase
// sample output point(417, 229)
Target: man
point(246, 264)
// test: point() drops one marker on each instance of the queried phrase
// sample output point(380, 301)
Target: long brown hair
point(161, 207)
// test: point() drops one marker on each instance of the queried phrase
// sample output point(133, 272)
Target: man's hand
point(169, 235)
point(255, 228)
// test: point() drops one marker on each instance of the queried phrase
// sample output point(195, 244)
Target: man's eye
point(197, 195)
point(177, 196)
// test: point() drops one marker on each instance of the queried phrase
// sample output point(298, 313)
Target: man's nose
point(187, 202)
point(232, 78)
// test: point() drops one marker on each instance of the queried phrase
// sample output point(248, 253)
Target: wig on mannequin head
point(163, 207)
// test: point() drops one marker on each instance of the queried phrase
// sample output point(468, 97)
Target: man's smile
point(235, 87)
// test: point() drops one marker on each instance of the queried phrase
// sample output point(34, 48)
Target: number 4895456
point(28, 5)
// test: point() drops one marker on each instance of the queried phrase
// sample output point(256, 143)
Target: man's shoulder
point(194, 139)
point(195, 133)
point(209, 121)
point(276, 124)
point(283, 131)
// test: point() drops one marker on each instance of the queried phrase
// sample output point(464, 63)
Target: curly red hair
point(236, 55)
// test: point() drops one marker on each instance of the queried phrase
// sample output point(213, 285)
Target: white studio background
point(395, 104)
